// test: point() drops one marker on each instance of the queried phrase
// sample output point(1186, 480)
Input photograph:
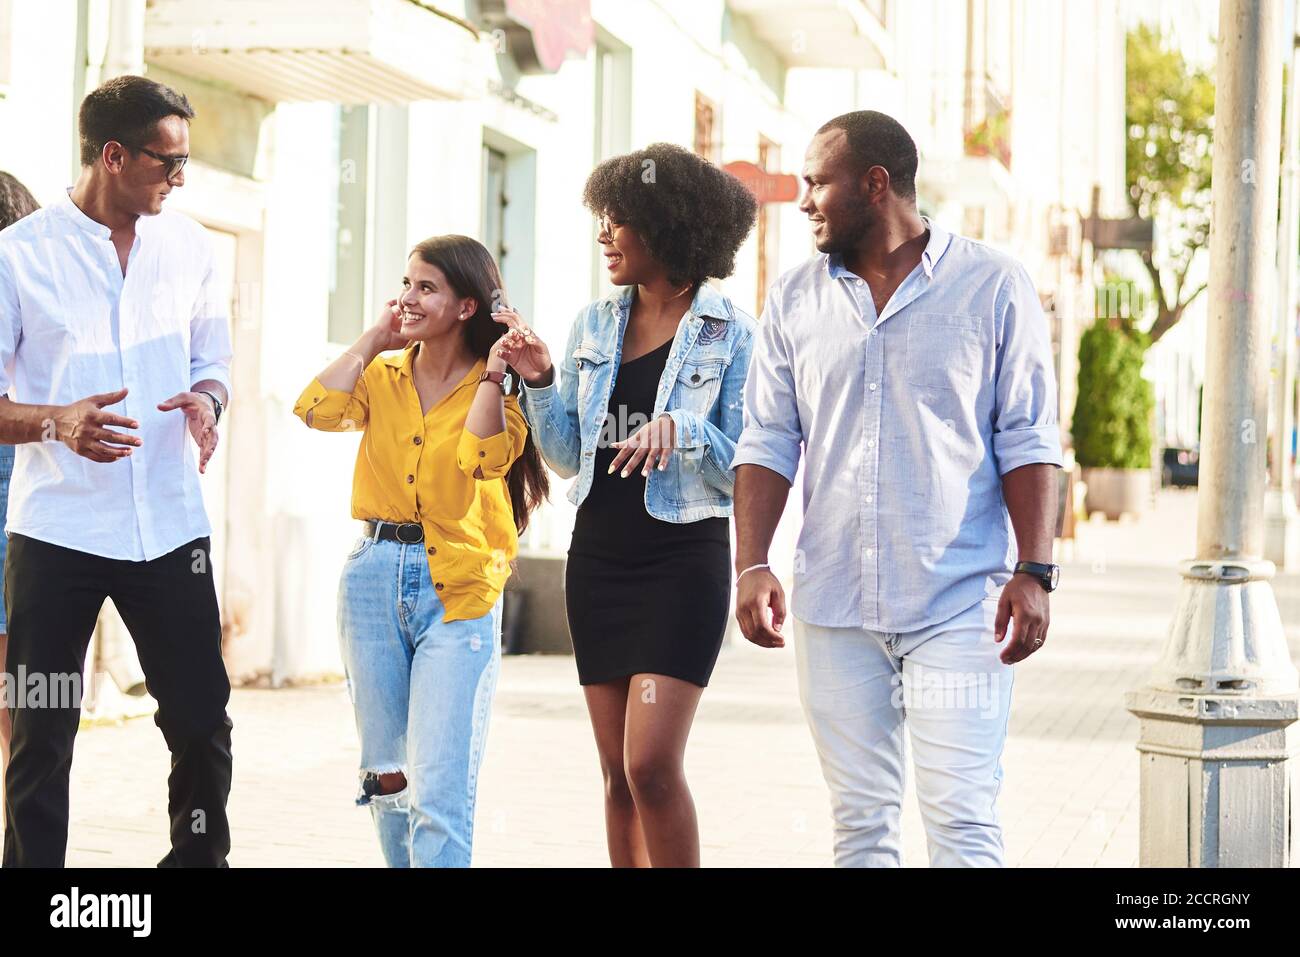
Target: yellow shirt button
point(438, 585)
point(410, 480)
point(482, 455)
point(418, 440)
point(432, 550)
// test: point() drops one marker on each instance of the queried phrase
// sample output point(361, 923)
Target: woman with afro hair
point(646, 413)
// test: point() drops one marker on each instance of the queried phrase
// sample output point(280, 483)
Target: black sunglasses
point(174, 163)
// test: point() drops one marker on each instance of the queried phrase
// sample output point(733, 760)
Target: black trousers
point(53, 596)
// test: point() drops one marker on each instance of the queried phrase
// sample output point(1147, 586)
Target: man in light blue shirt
point(914, 369)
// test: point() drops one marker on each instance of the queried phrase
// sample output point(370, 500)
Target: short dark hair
point(876, 139)
point(15, 201)
point(691, 215)
point(126, 109)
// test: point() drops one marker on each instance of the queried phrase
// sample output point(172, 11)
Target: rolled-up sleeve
point(11, 326)
point(210, 349)
point(332, 410)
point(772, 429)
point(1025, 429)
point(494, 454)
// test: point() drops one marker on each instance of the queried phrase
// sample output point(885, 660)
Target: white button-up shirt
point(907, 420)
point(72, 326)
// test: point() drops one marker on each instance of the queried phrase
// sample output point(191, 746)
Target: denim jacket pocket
point(697, 386)
point(590, 364)
point(944, 351)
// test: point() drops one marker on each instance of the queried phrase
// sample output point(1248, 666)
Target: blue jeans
point(422, 692)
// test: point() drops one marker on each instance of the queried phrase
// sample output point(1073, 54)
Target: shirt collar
point(81, 220)
point(930, 256)
point(401, 361)
point(708, 302)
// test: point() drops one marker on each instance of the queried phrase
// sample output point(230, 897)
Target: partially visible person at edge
point(445, 479)
point(915, 369)
point(646, 414)
point(107, 302)
point(15, 203)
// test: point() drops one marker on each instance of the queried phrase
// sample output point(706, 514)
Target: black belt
point(408, 533)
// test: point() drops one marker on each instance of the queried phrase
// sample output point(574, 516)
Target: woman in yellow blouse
point(445, 479)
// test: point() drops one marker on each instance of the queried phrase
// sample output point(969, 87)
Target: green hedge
point(1112, 414)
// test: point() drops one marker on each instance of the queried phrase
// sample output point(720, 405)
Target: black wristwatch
point(217, 407)
point(1049, 576)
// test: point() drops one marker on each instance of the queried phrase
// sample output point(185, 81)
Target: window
point(347, 299)
point(509, 227)
point(495, 201)
point(706, 143)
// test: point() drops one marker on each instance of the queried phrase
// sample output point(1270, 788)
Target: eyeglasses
point(174, 163)
point(606, 226)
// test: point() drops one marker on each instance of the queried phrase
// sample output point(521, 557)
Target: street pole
point(1282, 518)
point(1218, 714)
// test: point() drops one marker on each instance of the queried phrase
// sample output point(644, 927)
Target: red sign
point(766, 187)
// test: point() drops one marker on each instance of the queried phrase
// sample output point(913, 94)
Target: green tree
point(1112, 414)
point(1169, 111)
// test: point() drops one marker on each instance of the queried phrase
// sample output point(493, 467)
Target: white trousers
point(946, 685)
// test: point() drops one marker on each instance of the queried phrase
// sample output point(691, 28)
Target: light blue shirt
point(908, 421)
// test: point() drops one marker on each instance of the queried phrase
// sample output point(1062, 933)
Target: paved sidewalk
point(1069, 797)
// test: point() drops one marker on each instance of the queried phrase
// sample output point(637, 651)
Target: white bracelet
point(751, 568)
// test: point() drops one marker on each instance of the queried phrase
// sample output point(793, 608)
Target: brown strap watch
point(498, 377)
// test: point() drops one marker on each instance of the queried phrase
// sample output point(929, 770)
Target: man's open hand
point(84, 427)
point(201, 418)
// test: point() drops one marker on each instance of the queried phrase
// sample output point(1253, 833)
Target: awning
point(381, 51)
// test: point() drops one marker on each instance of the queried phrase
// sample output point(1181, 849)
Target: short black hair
point(691, 215)
point(15, 200)
point(876, 139)
point(126, 109)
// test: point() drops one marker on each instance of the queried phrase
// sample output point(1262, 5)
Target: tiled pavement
point(1069, 797)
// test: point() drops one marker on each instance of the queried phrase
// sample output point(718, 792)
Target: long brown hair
point(15, 201)
point(473, 273)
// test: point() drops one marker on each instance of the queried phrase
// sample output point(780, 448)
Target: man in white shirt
point(113, 346)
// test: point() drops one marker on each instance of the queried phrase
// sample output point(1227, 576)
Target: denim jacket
point(701, 390)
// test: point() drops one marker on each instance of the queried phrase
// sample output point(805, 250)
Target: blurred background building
point(333, 134)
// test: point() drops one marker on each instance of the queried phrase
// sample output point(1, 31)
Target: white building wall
point(37, 110)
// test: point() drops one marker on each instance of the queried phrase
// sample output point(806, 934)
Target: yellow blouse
point(420, 468)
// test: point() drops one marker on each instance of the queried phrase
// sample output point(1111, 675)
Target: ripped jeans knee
point(383, 786)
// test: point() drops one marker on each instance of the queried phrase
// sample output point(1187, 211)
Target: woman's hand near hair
point(524, 350)
point(342, 374)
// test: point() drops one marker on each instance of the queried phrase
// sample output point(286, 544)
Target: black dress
point(643, 595)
